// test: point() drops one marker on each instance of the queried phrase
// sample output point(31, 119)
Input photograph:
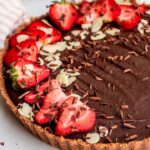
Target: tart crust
point(51, 139)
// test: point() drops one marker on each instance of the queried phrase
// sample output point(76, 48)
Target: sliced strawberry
point(110, 10)
point(28, 50)
point(11, 56)
point(89, 12)
point(38, 24)
point(51, 103)
point(37, 95)
point(26, 74)
point(141, 9)
point(18, 38)
point(75, 117)
point(63, 15)
point(129, 17)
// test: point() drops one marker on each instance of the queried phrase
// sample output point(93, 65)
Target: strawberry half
point(63, 14)
point(26, 74)
point(129, 17)
point(28, 50)
point(11, 56)
point(75, 117)
point(89, 12)
point(51, 103)
point(110, 10)
point(35, 96)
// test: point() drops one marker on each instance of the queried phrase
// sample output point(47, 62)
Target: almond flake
point(84, 34)
point(112, 31)
point(76, 32)
point(46, 22)
point(70, 72)
point(103, 131)
point(97, 24)
point(92, 138)
point(41, 61)
point(71, 80)
point(62, 79)
point(22, 38)
point(67, 38)
point(148, 12)
point(124, 2)
point(75, 44)
point(86, 26)
point(98, 36)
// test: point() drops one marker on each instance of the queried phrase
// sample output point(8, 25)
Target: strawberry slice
point(11, 56)
point(35, 96)
point(89, 12)
point(51, 103)
point(75, 117)
point(28, 50)
point(63, 14)
point(129, 17)
point(110, 10)
point(18, 38)
point(26, 74)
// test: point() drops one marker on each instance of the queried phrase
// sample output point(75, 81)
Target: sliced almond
point(69, 47)
point(76, 32)
point(41, 61)
point(148, 12)
point(92, 138)
point(124, 2)
point(112, 31)
point(46, 22)
point(103, 131)
point(84, 34)
point(62, 78)
point(70, 72)
point(22, 38)
point(71, 80)
point(86, 26)
point(44, 53)
point(67, 38)
point(140, 28)
point(75, 43)
point(62, 45)
point(144, 22)
point(97, 24)
point(98, 36)
point(54, 65)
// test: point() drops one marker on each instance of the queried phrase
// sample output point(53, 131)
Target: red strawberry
point(51, 103)
point(11, 56)
point(37, 95)
point(63, 15)
point(110, 10)
point(141, 9)
point(18, 38)
point(74, 117)
point(88, 12)
point(38, 24)
point(129, 17)
point(26, 74)
point(28, 50)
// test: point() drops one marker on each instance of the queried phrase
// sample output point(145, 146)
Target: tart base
point(51, 139)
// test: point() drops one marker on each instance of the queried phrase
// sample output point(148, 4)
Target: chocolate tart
point(121, 83)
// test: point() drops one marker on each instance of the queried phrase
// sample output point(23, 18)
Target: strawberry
point(74, 117)
point(88, 12)
point(35, 96)
point(28, 50)
point(26, 74)
point(129, 17)
point(11, 56)
point(110, 10)
point(63, 14)
point(18, 38)
point(51, 34)
point(51, 103)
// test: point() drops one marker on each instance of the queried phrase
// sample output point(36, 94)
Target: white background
point(12, 133)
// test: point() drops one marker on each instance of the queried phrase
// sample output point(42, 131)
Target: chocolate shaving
point(130, 126)
point(95, 98)
point(132, 137)
point(124, 106)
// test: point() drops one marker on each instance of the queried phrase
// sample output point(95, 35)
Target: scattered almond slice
point(22, 38)
point(71, 80)
point(112, 31)
point(41, 61)
point(143, 26)
point(54, 65)
point(86, 26)
point(98, 36)
point(44, 53)
point(46, 22)
point(52, 57)
point(62, 79)
point(97, 24)
point(67, 38)
point(103, 131)
point(26, 110)
point(92, 138)
point(75, 44)
point(148, 12)
point(124, 2)
point(84, 34)
point(76, 32)
point(70, 72)
point(53, 48)
point(69, 47)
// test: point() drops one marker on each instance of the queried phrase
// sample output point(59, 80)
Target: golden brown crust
point(60, 142)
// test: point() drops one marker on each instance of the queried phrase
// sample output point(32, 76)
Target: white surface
point(12, 133)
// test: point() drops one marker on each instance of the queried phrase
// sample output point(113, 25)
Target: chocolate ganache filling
point(114, 81)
